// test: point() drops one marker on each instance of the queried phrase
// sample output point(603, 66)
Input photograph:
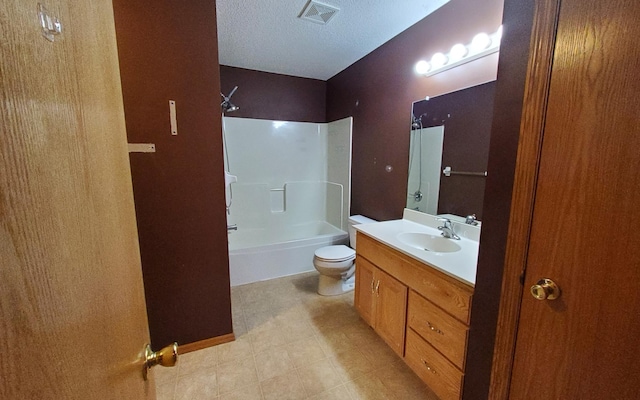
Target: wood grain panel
point(530, 141)
point(433, 368)
point(584, 230)
point(72, 308)
point(364, 297)
point(446, 334)
point(448, 293)
point(391, 310)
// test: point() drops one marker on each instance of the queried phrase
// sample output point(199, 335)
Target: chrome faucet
point(471, 220)
point(232, 227)
point(447, 229)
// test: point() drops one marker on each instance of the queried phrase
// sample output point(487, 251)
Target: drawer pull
point(429, 368)
point(433, 328)
point(372, 282)
point(378, 289)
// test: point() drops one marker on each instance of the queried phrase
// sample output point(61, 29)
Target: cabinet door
point(390, 310)
point(365, 284)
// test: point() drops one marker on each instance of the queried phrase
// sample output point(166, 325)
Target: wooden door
point(364, 299)
point(72, 309)
point(585, 232)
point(391, 310)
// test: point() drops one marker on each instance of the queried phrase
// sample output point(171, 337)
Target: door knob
point(545, 289)
point(167, 357)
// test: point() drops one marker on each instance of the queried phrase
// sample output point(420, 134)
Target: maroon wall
point(265, 95)
point(512, 74)
point(466, 115)
point(168, 50)
point(379, 89)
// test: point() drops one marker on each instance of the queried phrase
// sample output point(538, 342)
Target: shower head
point(226, 104)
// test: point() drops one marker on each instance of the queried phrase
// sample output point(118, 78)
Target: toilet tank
point(355, 220)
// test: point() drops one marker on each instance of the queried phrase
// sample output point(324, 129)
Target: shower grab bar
point(448, 172)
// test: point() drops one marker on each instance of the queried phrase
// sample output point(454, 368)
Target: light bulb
point(480, 42)
point(422, 67)
point(458, 51)
point(438, 60)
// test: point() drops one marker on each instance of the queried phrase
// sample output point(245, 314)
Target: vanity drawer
point(442, 331)
point(448, 293)
point(434, 369)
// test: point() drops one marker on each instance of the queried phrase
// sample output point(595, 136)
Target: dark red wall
point(512, 74)
point(466, 115)
point(264, 95)
point(379, 89)
point(168, 50)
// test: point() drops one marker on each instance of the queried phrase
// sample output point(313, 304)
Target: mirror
point(450, 132)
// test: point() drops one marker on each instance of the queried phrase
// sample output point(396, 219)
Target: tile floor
point(292, 343)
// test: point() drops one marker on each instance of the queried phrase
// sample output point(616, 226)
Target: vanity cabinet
point(381, 301)
point(422, 313)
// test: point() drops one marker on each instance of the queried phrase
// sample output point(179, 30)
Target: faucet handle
point(471, 220)
point(446, 221)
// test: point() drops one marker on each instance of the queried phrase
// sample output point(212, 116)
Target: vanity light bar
point(482, 45)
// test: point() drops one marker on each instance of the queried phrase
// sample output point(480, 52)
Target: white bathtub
point(261, 254)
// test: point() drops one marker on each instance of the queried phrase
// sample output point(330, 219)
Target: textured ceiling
point(267, 35)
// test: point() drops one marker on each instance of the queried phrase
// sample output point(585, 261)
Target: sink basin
point(425, 241)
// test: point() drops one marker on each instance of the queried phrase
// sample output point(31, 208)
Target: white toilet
point(336, 263)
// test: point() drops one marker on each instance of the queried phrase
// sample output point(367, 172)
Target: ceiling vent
point(318, 12)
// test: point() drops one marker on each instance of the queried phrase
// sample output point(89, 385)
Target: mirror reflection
point(449, 151)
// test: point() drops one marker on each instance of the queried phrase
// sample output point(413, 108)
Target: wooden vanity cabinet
point(381, 300)
point(419, 311)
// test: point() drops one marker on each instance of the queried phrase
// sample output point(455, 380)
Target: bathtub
point(262, 254)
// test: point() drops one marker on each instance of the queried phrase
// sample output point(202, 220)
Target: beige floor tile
point(239, 328)
point(351, 364)
point(283, 387)
point(256, 320)
point(294, 330)
point(339, 393)
point(236, 350)
point(379, 354)
point(319, 377)
point(236, 297)
point(248, 392)
point(368, 387)
point(273, 362)
point(335, 342)
point(236, 374)
point(266, 336)
point(304, 352)
point(198, 385)
point(279, 320)
point(402, 383)
point(197, 360)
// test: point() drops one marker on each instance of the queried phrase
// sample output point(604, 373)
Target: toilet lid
point(335, 253)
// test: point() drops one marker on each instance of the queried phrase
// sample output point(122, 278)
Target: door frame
point(541, 51)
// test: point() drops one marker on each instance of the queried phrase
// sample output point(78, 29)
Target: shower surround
point(292, 195)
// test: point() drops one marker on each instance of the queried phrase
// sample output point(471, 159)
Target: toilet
point(336, 264)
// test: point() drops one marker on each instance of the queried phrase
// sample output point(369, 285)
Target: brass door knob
point(545, 289)
point(167, 357)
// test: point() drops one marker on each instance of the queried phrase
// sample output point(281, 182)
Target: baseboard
point(203, 344)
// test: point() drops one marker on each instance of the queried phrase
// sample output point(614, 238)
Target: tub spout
point(232, 227)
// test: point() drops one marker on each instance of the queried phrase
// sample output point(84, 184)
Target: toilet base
point(332, 286)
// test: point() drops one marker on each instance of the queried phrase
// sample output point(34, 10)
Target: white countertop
point(461, 264)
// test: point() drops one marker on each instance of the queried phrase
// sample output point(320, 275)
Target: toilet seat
point(335, 254)
point(333, 265)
